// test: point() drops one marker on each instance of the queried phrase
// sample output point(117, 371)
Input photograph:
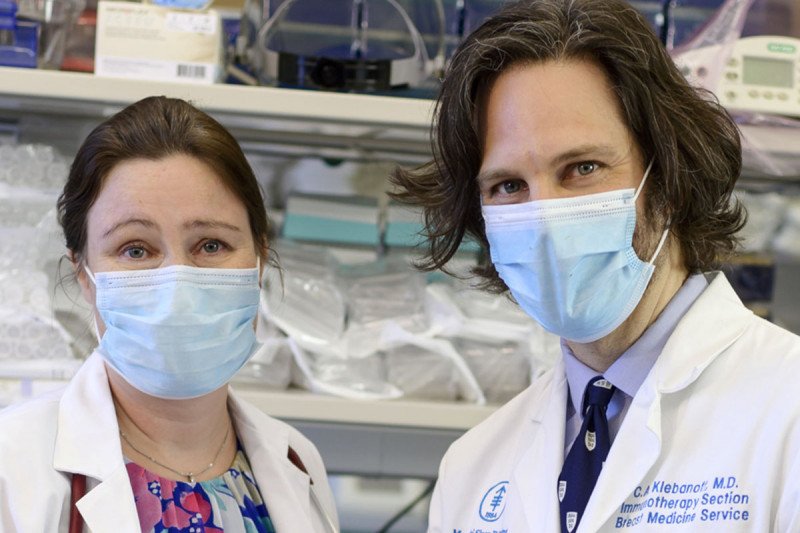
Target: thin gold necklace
point(190, 476)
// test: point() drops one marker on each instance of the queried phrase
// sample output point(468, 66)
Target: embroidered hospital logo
point(494, 502)
point(562, 490)
point(572, 520)
point(590, 440)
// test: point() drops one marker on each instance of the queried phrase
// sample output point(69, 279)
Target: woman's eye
point(134, 252)
point(586, 168)
point(211, 247)
point(510, 187)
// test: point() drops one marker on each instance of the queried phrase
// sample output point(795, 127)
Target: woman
point(166, 230)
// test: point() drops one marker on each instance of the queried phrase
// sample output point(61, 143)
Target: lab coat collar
point(87, 421)
point(715, 321)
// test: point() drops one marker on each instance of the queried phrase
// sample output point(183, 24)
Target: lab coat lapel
point(693, 346)
point(284, 487)
point(541, 454)
point(110, 505)
point(87, 442)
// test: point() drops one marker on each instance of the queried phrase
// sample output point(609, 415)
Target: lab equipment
point(55, 19)
point(365, 45)
point(18, 38)
point(762, 74)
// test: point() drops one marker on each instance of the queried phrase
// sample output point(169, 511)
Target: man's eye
point(211, 247)
point(135, 252)
point(586, 168)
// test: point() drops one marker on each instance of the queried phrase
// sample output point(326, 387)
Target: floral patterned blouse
point(230, 503)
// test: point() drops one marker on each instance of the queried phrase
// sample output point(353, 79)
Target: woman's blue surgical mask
point(177, 332)
point(570, 262)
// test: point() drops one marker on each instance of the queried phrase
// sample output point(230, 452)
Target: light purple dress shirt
point(629, 371)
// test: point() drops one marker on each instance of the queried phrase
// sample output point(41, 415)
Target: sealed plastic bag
point(347, 377)
point(303, 299)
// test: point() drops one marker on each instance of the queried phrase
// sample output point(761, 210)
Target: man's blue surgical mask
point(570, 262)
point(177, 332)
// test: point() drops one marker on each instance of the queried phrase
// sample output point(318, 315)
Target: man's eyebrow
point(211, 224)
point(584, 150)
point(129, 222)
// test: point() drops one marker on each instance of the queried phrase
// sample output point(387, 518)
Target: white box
point(143, 41)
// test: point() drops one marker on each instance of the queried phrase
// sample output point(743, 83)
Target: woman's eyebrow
point(211, 223)
point(128, 222)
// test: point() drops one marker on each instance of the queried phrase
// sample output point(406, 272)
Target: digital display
point(765, 71)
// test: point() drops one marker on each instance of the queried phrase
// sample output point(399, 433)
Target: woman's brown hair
point(155, 128)
point(693, 141)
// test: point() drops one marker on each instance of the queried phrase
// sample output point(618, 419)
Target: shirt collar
point(629, 371)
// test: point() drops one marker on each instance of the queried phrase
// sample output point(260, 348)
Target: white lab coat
point(44, 440)
point(714, 428)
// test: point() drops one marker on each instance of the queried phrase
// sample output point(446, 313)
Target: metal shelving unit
point(281, 121)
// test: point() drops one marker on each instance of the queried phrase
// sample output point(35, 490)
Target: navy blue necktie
point(585, 459)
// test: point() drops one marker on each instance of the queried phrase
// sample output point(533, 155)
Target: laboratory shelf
point(299, 122)
point(305, 406)
point(402, 438)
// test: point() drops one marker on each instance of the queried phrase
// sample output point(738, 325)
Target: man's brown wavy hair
point(693, 141)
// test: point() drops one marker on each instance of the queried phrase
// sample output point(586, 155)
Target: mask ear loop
point(89, 273)
point(94, 316)
point(644, 179)
point(669, 223)
point(660, 244)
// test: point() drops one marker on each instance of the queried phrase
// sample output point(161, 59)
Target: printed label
point(663, 502)
point(191, 23)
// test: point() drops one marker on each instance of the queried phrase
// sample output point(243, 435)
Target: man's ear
point(86, 285)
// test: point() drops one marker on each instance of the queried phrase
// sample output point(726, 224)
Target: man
point(600, 183)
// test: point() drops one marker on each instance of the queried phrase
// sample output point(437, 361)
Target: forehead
point(552, 105)
point(167, 190)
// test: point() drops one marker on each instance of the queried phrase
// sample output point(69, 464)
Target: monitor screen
point(767, 71)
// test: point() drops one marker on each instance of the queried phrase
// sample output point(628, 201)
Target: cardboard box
point(143, 41)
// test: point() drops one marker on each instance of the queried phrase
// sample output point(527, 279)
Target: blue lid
point(23, 51)
point(8, 14)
